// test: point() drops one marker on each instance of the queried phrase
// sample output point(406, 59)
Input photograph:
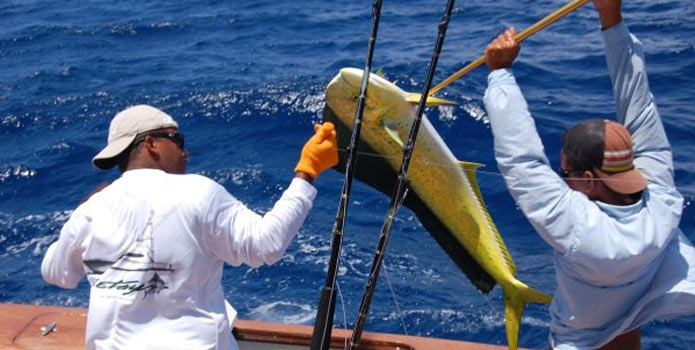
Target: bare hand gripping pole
point(323, 324)
point(401, 187)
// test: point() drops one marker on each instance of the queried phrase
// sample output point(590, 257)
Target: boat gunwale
point(21, 324)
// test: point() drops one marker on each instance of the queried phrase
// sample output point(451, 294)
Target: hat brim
point(625, 182)
point(106, 159)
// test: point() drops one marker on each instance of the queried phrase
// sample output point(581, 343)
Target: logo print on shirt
point(134, 272)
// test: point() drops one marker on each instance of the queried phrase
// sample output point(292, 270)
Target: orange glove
point(320, 152)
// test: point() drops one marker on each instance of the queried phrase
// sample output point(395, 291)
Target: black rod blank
point(323, 325)
point(401, 187)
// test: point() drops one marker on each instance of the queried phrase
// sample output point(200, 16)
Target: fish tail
point(515, 300)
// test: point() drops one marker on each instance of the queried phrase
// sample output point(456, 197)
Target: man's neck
point(141, 164)
point(619, 199)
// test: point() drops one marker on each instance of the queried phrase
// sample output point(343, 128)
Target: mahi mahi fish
point(446, 198)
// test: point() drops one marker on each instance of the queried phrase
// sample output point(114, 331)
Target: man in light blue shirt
point(612, 213)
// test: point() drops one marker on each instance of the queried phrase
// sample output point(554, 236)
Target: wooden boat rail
point(20, 329)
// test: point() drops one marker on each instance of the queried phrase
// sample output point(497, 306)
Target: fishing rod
point(323, 325)
point(401, 187)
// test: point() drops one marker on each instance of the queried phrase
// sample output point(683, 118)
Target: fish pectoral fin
point(394, 135)
point(470, 166)
point(432, 101)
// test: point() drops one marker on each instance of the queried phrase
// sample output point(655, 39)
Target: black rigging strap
point(401, 187)
point(323, 324)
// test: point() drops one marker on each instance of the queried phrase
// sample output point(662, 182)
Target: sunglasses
point(174, 136)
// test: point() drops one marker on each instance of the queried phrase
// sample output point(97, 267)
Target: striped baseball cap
point(605, 147)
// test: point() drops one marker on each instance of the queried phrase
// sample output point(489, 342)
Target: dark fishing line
point(401, 187)
point(323, 324)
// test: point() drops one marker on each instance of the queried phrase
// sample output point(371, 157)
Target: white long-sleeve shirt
point(153, 245)
point(617, 267)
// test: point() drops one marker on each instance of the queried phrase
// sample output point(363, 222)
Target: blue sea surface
point(246, 80)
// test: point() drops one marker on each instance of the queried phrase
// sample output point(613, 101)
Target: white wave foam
point(24, 231)
point(40, 245)
point(535, 322)
point(446, 113)
point(311, 249)
point(238, 176)
point(463, 320)
point(475, 111)
point(222, 100)
point(312, 102)
point(60, 146)
point(357, 266)
point(283, 312)
point(17, 171)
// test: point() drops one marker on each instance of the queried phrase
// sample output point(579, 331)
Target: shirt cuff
point(300, 185)
point(615, 34)
point(501, 76)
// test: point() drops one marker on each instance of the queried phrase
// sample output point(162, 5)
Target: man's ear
point(152, 147)
point(591, 181)
point(149, 143)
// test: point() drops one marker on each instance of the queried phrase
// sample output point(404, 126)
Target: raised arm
point(238, 235)
point(634, 102)
point(540, 193)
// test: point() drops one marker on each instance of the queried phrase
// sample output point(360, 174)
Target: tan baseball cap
point(125, 126)
point(606, 147)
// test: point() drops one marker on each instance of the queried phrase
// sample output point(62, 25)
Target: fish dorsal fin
point(377, 173)
point(469, 169)
point(394, 134)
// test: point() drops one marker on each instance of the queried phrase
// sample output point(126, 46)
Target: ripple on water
point(33, 233)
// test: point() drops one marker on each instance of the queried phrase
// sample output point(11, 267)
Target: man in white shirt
point(612, 215)
point(152, 244)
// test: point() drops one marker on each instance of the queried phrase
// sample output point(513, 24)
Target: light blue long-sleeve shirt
point(617, 267)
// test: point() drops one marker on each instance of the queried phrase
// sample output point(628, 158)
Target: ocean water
point(245, 80)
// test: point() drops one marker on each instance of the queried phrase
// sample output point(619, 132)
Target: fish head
point(386, 105)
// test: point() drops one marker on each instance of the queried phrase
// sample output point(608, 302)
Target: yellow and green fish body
point(445, 187)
